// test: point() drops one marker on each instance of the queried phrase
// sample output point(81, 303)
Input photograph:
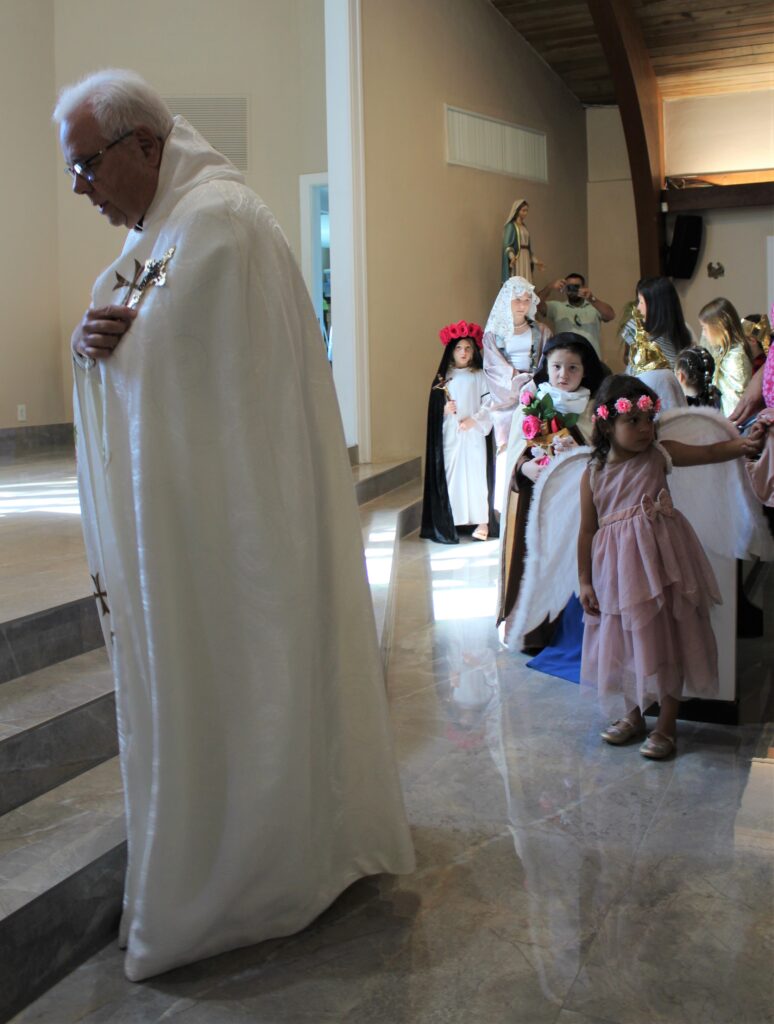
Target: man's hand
point(100, 331)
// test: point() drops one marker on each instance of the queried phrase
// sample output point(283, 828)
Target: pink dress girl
point(645, 584)
point(654, 587)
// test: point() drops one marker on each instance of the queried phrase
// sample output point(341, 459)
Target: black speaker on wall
point(686, 243)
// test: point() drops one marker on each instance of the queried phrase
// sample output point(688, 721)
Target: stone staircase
point(62, 837)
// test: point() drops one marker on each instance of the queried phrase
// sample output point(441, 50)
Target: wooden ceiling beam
point(648, 11)
point(639, 101)
point(696, 47)
point(719, 197)
point(709, 30)
point(708, 84)
point(682, 55)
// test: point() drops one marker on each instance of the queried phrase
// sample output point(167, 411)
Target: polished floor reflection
point(559, 879)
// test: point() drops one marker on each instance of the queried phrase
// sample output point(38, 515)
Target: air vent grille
point(222, 120)
point(487, 144)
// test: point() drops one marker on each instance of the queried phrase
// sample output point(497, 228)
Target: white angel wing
point(551, 566)
point(717, 500)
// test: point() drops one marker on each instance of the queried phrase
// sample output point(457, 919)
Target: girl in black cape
point(458, 405)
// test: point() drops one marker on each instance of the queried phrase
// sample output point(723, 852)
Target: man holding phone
point(578, 310)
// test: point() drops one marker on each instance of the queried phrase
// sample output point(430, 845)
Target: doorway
point(316, 249)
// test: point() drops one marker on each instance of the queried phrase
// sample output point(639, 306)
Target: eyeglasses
point(83, 168)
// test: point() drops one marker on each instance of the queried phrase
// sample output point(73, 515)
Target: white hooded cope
point(221, 527)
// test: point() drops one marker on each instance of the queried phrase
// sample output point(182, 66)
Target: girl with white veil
point(513, 345)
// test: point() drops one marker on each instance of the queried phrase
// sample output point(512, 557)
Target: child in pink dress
point(646, 586)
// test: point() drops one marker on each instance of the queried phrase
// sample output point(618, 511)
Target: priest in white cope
point(224, 543)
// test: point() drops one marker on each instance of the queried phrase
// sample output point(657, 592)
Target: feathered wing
point(551, 566)
point(717, 500)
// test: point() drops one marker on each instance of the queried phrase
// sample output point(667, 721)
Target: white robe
point(464, 451)
point(220, 516)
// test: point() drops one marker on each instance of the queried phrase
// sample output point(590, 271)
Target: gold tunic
point(732, 375)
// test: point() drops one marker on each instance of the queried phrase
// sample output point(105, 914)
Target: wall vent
point(473, 140)
point(222, 120)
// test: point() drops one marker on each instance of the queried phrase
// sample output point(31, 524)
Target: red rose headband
point(463, 329)
point(623, 405)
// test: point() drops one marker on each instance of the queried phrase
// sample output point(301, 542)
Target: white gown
point(221, 525)
point(464, 452)
point(518, 351)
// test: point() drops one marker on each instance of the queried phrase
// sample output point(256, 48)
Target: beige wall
point(614, 263)
point(731, 132)
point(736, 238)
point(271, 51)
point(433, 230)
point(30, 370)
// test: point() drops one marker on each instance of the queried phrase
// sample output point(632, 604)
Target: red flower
point(555, 425)
point(454, 331)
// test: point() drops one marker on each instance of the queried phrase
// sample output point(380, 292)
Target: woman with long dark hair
point(659, 305)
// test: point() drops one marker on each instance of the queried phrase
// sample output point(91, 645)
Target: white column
point(346, 197)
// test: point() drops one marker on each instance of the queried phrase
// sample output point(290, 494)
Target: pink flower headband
point(463, 329)
point(623, 405)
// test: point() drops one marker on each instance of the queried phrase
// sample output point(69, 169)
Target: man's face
point(125, 177)
point(572, 295)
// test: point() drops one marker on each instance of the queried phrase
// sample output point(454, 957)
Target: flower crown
point(462, 329)
point(623, 405)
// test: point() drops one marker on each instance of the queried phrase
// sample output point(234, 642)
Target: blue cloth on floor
point(563, 657)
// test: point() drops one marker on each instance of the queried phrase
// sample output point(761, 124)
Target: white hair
point(119, 100)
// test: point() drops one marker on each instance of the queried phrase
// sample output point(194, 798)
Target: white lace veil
point(500, 321)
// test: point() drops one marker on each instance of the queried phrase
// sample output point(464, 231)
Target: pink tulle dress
point(654, 586)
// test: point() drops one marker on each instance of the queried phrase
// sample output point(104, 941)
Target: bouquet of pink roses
point(543, 424)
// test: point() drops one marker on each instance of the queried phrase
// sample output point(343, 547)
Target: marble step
point(45, 637)
point(60, 720)
point(62, 853)
point(374, 479)
point(62, 864)
point(54, 724)
point(385, 521)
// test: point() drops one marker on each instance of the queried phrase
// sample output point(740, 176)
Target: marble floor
point(559, 880)
point(42, 557)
